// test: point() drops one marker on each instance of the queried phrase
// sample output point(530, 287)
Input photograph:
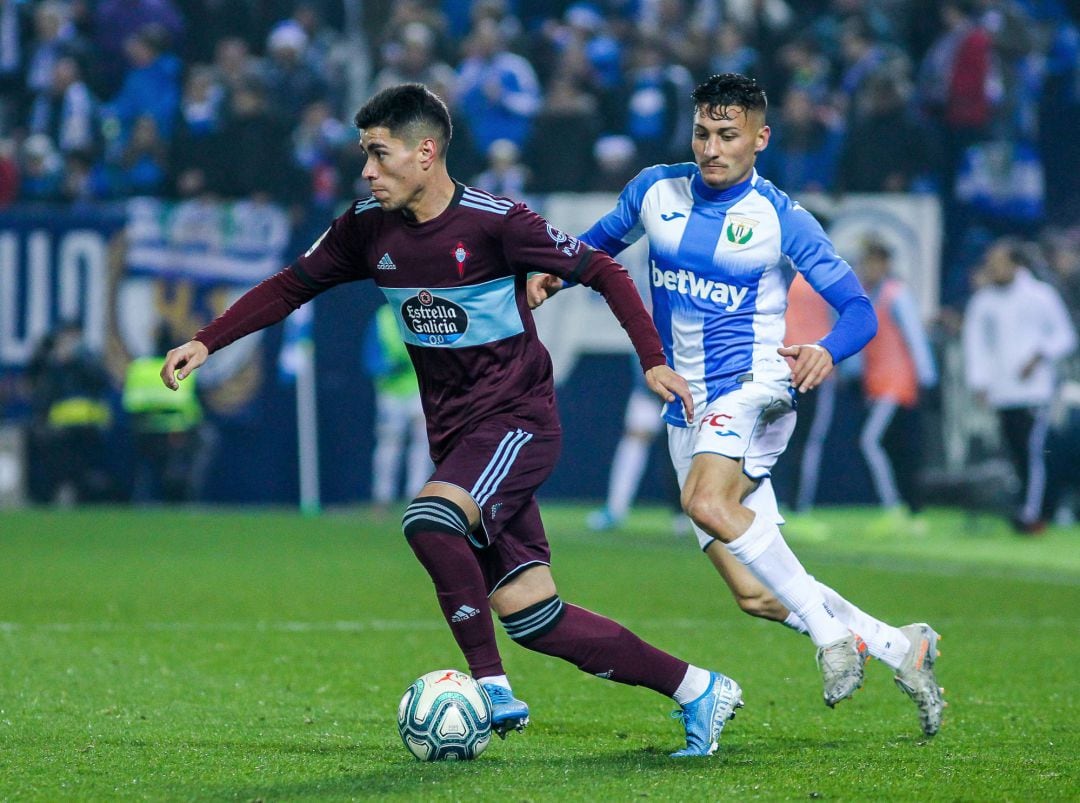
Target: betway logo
point(688, 283)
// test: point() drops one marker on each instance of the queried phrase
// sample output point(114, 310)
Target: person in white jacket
point(1016, 331)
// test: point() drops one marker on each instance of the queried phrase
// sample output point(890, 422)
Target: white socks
point(765, 553)
point(694, 684)
point(498, 680)
point(883, 641)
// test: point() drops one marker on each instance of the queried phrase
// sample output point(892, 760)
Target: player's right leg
point(437, 525)
point(719, 462)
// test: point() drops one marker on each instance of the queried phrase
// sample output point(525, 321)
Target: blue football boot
point(507, 712)
point(706, 716)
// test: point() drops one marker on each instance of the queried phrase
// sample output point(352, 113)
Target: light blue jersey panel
point(456, 317)
point(720, 264)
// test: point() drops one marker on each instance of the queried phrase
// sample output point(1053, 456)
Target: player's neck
point(433, 199)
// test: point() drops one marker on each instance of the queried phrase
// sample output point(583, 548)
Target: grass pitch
point(253, 655)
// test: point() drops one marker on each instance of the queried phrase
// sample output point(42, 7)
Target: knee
point(426, 514)
point(713, 513)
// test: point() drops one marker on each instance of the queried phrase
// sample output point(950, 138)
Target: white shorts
point(752, 424)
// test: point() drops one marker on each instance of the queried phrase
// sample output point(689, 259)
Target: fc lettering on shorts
point(719, 422)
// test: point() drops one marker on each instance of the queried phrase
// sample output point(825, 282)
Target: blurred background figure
point(808, 319)
point(1016, 332)
point(166, 428)
point(896, 365)
point(399, 417)
point(71, 420)
point(505, 174)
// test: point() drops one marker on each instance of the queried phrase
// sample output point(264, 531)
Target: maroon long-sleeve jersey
point(456, 284)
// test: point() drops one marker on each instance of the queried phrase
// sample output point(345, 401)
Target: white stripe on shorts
point(496, 471)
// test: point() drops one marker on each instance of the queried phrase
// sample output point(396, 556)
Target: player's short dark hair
point(730, 89)
point(410, 111)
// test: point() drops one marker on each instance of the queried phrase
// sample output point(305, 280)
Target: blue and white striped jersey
point(720, 264)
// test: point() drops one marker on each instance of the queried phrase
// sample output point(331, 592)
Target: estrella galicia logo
point(666, 216)
point(435, 321)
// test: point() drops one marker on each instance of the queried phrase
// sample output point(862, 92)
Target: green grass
point(243, 655)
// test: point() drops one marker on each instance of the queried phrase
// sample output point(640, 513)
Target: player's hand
point(541, 287)
point(813, 363)
point(667, 384)
point(181, 361)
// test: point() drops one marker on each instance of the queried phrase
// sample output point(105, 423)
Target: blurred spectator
point(317, 145)
point(412, 60)
point(804, 148)
point(85, 180)
point(497, 92)
point(66, 110)
point(234, 65)
point(152, 87)
point(55, 38)
point(41, 170)
point(1061, 249)
point(505, 174)
point(70, 420)
point(143, 166)
point(658, 109)
point(292, 79)
point(731, 52)
point(802, 65)
point(886, 149)
point(254, 150)
point(1059, 121)
point(193, 159)
point(616, 163)
point(116, 21)
point(1016, 331)
point(807, 320)
point(16, 41)
point(897, 366)
point(954, 83)
point(559, 149)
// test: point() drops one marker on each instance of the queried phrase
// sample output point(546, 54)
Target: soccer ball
point(445, 716)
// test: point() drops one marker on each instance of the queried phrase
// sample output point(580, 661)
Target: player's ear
point(429, 151)
point(762, 139)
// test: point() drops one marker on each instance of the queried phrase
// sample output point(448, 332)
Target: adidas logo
point(386, 263)
point(495, 509)
point(464, 612)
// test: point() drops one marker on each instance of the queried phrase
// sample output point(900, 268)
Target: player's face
point(393, 168)
point(726, 142)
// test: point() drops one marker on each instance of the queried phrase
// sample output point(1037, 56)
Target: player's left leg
point(909, 651)
point(537, 618)
point(876, 424)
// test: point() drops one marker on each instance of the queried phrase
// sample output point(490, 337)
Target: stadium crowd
point(976, 100)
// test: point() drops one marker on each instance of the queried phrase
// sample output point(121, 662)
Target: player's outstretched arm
point(181, 361)
point(667, 384)
point(540, 287)
point(813, 363)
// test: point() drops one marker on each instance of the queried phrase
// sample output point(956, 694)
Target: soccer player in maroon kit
point(453, 261)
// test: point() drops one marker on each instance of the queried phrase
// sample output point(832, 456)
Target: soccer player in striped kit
point(724, 246)
point(453, 262)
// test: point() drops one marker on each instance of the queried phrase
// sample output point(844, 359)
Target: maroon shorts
point(500, 465)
